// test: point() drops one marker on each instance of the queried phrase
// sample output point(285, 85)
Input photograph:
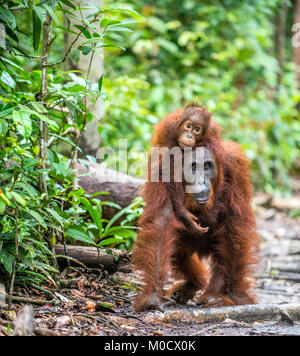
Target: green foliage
point(40, 202)
point(127, 116)
point(221, 53)
point(99, 232)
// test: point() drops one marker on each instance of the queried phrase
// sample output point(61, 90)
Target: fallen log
point(94, 258)
point(122, 188)
point(238, 313)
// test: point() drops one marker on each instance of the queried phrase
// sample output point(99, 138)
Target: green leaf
point(45, 119)
point(121, 9)
point(7, 260)
point(36, 28)
point(28, 188)
point(84, 31)
point(113, 240)
point(37, 217)
point(7, 112)
point(51, 3)
point(2, 206)
point(79, 234)
point(67, 140)
point(86, 50)
point(4, 198)
point(50, 11)
point(23, 123)
point(68, 3)
point(118, 29)
point(167, 45)
point(121, 231)
point(75, 55)
point(3, 127)
point(8, 17)
point(41, 13)
point(60, 169)
point(100, 83)
point(93, 213)
point(39, 107)
point(7, 79)
point(56, 216)
point(18, 198)
point(118, 215)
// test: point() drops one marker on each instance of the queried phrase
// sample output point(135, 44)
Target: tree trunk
point(91, 140)
point(296, 49)
point(281, 41)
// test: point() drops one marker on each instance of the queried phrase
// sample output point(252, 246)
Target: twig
point(44, 290)
point(75, 40)
point(35, 301)
point(69, 50)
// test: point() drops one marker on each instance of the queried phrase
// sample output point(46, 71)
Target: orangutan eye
point(188, 126)
point(197, 130)
point(208, 165)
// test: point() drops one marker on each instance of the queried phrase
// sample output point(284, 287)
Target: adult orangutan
point(217, 193)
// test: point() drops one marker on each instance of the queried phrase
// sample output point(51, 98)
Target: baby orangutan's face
point(194, 123)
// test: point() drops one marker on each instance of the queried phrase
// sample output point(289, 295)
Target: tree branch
point(239, 313)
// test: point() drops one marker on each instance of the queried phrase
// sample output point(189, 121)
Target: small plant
point(100, 232)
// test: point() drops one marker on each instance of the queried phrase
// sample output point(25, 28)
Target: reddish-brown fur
point(165, 135)
point(165, 242)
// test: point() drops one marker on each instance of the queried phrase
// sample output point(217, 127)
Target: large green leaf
point(79, 234)
point(121, 231)
point(36, 27)
point(93, 213)
point(18, 198)
point(3, 127)
point(69, 3)
point(75, 54)
point(23, 123)
point(2, 206)
point(31, 191)
point(8, 80)
point(7, 260)
point(8, 17)
point(37, 217)
point(111, 241)
point(118, 215)
point(56, 215)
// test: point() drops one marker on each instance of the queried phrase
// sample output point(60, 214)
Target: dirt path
point(95, 304)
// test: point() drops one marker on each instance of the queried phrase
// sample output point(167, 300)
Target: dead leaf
point(90, 305)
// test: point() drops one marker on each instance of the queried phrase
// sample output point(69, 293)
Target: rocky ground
point(94, 303)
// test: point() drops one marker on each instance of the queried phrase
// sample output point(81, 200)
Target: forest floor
point(98, 304)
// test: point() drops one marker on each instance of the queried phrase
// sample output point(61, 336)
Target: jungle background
point(76, 76)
